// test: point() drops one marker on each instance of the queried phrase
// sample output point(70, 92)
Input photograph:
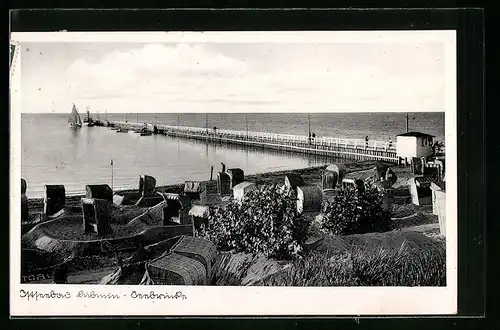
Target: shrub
point(264, 222)
point(367, 267)
point(355, 212)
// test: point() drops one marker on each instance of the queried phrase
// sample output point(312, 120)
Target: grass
point(417, 219)
point(405, 210)
point(395, 258)
point(367, 267)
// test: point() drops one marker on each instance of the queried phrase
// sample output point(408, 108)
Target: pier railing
point(323, 145)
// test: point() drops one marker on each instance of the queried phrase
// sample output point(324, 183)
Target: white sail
point(74, 117)
point(79, 119)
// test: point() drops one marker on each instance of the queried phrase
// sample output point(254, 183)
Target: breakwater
point(356, 149)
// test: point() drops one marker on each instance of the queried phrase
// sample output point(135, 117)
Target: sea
point(54, 153)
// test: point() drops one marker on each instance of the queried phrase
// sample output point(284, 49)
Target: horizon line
point(247, 112)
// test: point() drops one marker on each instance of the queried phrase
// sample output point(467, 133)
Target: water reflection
point(89, 140)
point(74, 142)
point(174, 160)
point(155, 142)
point(74, 133)
point(86, 158)
point(247, 150)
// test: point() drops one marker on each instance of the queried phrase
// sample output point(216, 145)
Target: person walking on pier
point(309, 137)
point(313, 138)
point(366, 141)
point(390, 143)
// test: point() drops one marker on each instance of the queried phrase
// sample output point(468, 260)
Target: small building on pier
point(414, 144)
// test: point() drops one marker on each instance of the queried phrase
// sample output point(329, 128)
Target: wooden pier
point(322, 146)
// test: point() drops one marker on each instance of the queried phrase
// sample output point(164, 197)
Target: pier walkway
point(324, 146)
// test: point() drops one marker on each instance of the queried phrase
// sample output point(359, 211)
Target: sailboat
point(74, 118)
point(88, 120)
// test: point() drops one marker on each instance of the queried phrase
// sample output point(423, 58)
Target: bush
point(265, 222)
point(367, 267)
point(355, 212)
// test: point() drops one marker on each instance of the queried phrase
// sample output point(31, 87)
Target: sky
point(213, 77)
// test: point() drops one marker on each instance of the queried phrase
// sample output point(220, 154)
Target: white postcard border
point(204, 301)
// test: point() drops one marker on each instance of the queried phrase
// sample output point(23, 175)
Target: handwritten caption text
point(81, 294)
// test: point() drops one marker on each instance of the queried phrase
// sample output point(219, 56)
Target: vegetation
point(367, 267)
point(356, 212)
point(265, 222)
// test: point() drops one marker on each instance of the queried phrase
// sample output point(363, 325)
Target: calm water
point(53, 153)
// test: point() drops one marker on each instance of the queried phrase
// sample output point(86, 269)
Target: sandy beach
point(311, 175)
point(412, 218)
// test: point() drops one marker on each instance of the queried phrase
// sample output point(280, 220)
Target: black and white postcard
point(233, 173)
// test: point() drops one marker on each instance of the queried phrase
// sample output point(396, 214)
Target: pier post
point(309, 120)
point(112, 175)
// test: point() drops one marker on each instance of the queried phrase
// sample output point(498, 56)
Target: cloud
point(184, 77)
point(151, 68)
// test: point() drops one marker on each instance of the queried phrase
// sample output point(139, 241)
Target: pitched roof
point(416, 134)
